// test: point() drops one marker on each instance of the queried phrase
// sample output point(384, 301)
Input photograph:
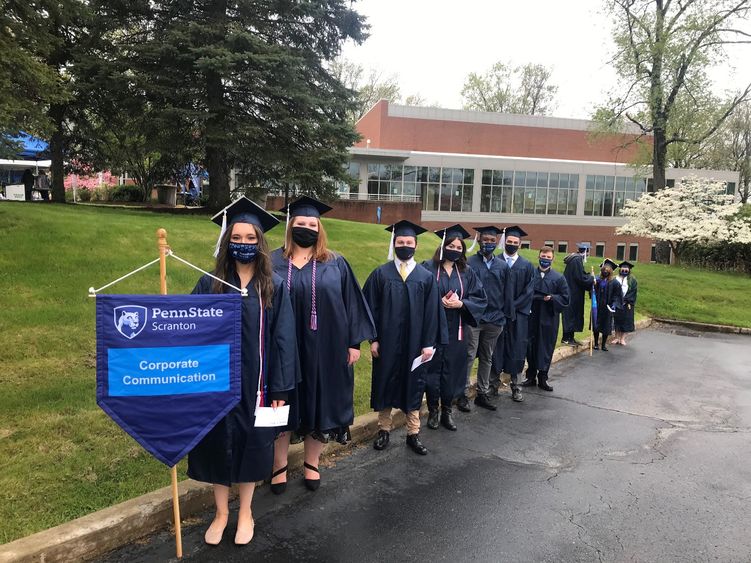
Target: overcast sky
point(431, 45)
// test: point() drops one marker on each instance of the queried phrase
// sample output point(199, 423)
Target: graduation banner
point(168, 366)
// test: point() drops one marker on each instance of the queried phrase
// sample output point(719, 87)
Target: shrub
point(127, 192)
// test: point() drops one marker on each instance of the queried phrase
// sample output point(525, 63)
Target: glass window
point(526, 245)
point(469, 176)
point(372, 171)
point(589, 202)
point(431, 197)
point(549, 243)
point(518, 206)
point(620, 251)
point(730, 188)
point(541, 196)
point(529, 200)
point(410, 188)
point(467, 198)
point(653, 254)
point(519, 178)
point(373, 187)
point(562, 247)
point(410, 173)
point(487, 176)
point(542, 179)
point(573, 196)
point(485, 193)
point(573, 181)
point(597, 206)
point(531, 179)
point(507, 177)
point(445, 203)
point(554, 180)
point(633, 252)
point(506, 199)
point(434, 174)
point(599, 183)
point(600, 249)
point(495, 205)
point(553, 200)
point(590, 182)
point(608, 203)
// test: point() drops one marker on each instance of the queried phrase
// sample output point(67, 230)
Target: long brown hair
point(461, 264)
point(262, 270)
point(321, 252)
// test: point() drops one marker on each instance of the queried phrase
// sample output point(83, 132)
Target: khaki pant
point(413, 421)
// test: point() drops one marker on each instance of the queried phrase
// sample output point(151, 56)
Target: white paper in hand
point(269, 416)
point(418, 361)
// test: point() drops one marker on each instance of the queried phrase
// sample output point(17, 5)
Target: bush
point(102, 193)
point(734, 257)
point(127, 192)
point(82, 195)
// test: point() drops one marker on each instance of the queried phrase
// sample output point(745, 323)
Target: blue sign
point(168, 366)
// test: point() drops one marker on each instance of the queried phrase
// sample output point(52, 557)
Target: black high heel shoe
point(312, 484)
point(279, 488)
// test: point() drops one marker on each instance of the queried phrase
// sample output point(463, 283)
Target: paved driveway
point(641, 454)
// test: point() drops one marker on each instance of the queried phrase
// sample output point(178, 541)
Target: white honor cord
point(93, 292)
point(260, 349)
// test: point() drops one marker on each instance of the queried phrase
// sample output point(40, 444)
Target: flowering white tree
point(696, 210)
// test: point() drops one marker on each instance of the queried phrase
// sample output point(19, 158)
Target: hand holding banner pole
point(161, 236)
point(592, 312)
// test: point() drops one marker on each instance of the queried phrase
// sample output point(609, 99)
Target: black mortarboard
point(405, 228)
point(626, 263)
point(452, 232)
point(584, 245)
point(243, 211)
point(402, 229)
point(515, 231)
point(489, 230)
point(307, 207)
point(609, 262)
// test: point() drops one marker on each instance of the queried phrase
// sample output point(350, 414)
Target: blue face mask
point(242, 252)
point(545, 263)
point(488, 248)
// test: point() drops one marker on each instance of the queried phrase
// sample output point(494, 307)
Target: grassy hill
point(60, 456)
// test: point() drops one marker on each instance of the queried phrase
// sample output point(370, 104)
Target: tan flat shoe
point(214, 533)
point(245, 533)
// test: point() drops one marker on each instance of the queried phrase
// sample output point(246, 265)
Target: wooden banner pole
point(592, 316)
point(161, 236)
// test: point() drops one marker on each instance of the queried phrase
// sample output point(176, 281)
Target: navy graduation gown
point(447, 371)
point(511, 348)
point(493, 280)
point(323, 401)
point(608, 293)
point(544, 320)
point(409, 317)
point(579, 282)
point(624, 317)
point(234, 451)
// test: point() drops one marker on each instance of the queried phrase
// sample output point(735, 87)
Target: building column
point(582, 195)
point(477, 191)
point(362, 189)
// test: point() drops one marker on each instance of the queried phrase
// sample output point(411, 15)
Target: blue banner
point(168, 366)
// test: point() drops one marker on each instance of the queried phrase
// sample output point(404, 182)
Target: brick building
point(549, 175)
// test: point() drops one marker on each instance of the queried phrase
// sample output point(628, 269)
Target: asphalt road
point(641, 454)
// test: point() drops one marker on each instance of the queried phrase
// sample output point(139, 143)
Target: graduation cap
point(450, 233)
point(515, 231)
point(403, 228)
point(626, 263)
point(584, 245)
point(609, 262)
point(489, 230)
point(243, 211)
point(304, 206)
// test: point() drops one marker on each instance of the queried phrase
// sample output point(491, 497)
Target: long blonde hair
point(321, 253)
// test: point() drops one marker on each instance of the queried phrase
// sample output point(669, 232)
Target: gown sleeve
point(475, 300)
point(435, 328)
point(282, 367)
point(561, 297)
point(584, 279)
point(632, 291)
point(372, 291)
point(202, 286)
point(359, 319)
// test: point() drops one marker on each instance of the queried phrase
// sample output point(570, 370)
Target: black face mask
point(304, 237)
point(511, 249)
point(452, 255)
point(404, 253)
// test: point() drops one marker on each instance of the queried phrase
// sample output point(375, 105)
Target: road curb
point(100, 532)
point(706, 327)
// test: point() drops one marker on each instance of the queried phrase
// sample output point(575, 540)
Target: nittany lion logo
point(130, 320)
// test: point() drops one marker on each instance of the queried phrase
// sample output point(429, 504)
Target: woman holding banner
point(235, 451)
point(332, 320)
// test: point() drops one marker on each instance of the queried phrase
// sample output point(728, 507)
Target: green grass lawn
point(60, 456)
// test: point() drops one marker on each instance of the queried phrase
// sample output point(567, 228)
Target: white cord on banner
point(93, 292)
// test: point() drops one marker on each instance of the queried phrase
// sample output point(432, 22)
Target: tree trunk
point(216, 150)
point(57, 153)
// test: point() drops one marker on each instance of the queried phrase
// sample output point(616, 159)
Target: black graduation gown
point(608, 293)
point(511, 348)
point(493, 281)
point(323, 399)
point(447, 371)
point(544, 320)
point(235, 451)
point(624, 317)
point(579, 282)
point(409, 317)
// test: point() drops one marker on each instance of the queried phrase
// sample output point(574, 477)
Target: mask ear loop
point(474, 243)
point(391, 245)
point(221, 234)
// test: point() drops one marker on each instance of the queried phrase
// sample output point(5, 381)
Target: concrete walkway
point(642, 453)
